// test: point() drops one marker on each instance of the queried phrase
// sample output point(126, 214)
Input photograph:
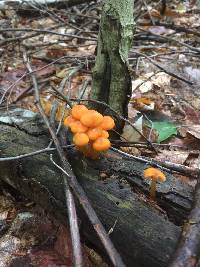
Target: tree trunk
point(111, 77)
point(144, 234)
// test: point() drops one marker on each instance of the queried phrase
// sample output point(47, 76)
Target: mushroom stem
point(153, 189)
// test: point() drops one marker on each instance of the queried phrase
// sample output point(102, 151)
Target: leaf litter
point(165, 109)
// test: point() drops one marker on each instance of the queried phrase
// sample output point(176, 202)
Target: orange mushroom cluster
point(90, 129)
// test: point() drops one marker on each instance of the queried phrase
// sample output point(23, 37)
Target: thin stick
point(187, 253)
point(73, 221)
point(60, 89)
point(77, 259)
point(163, 69)
point(83, 89)
point(63, 97)
point(177, 28)
point(77, 189)
point(34, 153)
point(168, 166)
point(192, 172)
point(170, 39)
point(40, 31)
point(21, 38)
point(103, 235)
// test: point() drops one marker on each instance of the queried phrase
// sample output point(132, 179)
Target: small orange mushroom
point(78, 127)
point(107, 123)
point(155, 175)
point(91, 118)
point(101, 144)
point(68, 120)
point(78, 111)
point(94, 133)
point(104, 134)
point(80, 139)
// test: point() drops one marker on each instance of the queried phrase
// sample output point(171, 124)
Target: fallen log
point(144, 234)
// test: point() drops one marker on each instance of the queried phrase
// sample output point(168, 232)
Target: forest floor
point(60, 44)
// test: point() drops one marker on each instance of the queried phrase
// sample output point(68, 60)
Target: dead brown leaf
point(173, 156)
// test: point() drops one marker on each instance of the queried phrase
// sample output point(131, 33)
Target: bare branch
point(73, 221)
point(77, 189)
point(187, 253)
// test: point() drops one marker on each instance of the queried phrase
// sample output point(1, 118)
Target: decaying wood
point(188, 250)
point(143, 233)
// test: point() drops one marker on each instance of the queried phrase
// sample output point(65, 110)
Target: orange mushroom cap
point(154, 174)
point(91, 118)
point(94, 133)
point(107, 123)
point(68, 120)
point(101, 144)
point(78, 127)
point(80, 139)
point(104, 134)
point(78, 111)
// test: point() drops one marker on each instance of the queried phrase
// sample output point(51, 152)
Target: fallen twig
point(159, 145)
point(64, 98)
point(21, 38)
point(79, 192)
point(38, 31)
point(172, 26)
point(73, 221)
point(187, 253)
point(173, 40)
point(163, 69)
point(26, 5)
point(34, 153)
point(166, 165)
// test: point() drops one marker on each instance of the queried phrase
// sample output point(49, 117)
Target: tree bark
point(144, 235)
point(111, 77)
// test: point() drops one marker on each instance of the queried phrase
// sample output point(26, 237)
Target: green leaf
point(165, 129)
